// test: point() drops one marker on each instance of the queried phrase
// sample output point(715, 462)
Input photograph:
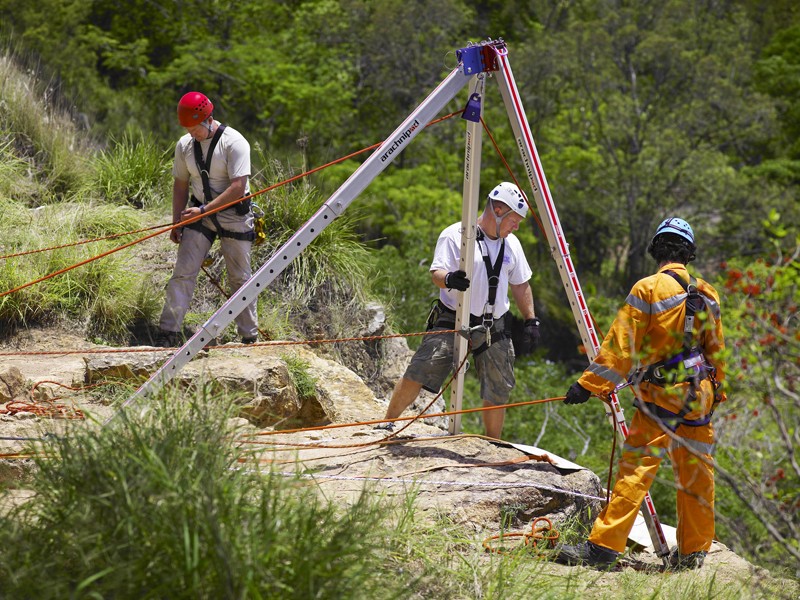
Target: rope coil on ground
point(46, 407)
point(545, 535)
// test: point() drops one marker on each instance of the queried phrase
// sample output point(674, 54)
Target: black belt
point(447, 317)
point(678, 369)
point(210, 234)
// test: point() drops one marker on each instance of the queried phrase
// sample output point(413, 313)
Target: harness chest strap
point(694, 304)
point(492, 276)
point(203, 166)
point(691, 356)
point(443, 316)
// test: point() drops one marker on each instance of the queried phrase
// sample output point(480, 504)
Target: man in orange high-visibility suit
point(666, 341)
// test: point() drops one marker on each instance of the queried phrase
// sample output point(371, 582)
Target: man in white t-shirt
point(499, 266)
point(211, 169)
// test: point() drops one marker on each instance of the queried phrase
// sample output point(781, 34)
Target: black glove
point(456, 280)
point(577, 394)
point(530, 336)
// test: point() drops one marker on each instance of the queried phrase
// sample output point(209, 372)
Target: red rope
point(47, 407)
point(228, 346)
point(511, 174)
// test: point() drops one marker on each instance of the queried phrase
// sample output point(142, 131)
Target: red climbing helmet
point(194, 108)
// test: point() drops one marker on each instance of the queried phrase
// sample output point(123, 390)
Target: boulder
point(12, 384)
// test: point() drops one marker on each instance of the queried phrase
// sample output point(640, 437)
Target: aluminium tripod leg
point(560, 252)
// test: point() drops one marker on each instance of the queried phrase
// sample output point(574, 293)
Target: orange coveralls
point(649, 329)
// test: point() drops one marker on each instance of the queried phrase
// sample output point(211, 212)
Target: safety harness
point(443, 316)
point(690, 364)
point(241, 209)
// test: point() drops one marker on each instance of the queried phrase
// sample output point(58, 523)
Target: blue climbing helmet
point(678, 230)
point(676, 226)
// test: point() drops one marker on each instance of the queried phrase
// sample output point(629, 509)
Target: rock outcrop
point(467, 479)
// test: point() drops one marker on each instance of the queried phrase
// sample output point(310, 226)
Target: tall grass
point(158, 504)
point(14, 180)
point(163, 503)
point(105, 296)
point(42, 135)
point(134, 171)
point(46, 167)
point(325, 289)
point(335, 259)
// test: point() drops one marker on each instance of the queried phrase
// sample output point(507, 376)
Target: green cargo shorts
point(433, 362)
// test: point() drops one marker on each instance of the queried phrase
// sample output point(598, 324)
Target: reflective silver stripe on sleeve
point(638, 303)
point(655, 307)
point(712, 306)
point(606, 373)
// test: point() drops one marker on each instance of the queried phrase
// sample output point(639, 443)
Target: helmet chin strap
point(498, 220)
point(209, 123)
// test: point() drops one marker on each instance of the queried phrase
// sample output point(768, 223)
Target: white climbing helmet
point(510, 195)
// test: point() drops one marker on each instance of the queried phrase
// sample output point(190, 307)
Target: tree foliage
point(759, 426)
point(640, 110)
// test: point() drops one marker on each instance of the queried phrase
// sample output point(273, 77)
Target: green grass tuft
point(157, 504)
point(135, 171)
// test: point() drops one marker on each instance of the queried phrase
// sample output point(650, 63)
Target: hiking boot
point(250, 340)
point(167, 339)
point(684, 562)
point(587, 554)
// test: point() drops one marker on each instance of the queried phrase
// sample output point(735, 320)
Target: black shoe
point(167, 339)
point(386, 426)
point(587, 554)
point(250, 340)
point(684, 562)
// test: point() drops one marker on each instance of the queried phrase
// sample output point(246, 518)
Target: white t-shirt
point(231, 159)
point(515, 269)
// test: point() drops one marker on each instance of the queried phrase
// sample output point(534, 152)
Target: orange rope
point(48, 407)
point(394, 434)
point(50, 410)
point(78, 243)
point(422, 415)
point(170, 227)
point(544, 533)
point(83, 262)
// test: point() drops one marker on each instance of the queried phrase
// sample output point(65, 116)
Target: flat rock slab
point(467, 479)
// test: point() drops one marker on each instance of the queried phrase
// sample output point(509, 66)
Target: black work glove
point(530, 336)
point(577, 394)
point(456, 280)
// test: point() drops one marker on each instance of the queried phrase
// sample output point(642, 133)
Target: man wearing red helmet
point(211, 170)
